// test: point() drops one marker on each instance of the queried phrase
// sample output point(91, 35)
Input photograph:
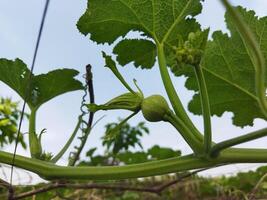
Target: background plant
point(117, 150)
point(171, 35)
point(9, 115)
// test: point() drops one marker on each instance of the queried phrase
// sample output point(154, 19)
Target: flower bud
point(154, 108)
point(128, 101)
point(190, 52)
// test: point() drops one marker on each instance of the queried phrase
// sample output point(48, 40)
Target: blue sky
point(63, 46)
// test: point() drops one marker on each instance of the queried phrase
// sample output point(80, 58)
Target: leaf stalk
point(255, 54)
point(50, 171)
point(217, 148)
point(68, 143)
point(205, 106)
point(190, 138)
point(172, 94)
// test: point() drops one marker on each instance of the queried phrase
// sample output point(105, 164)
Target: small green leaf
point(4, 122)
point(159, 153)
point(113, 133)
point(9, 115)
point(141, 52)
point(43, 87)
point(90, 152)
point(132, 158)
point(128, 136)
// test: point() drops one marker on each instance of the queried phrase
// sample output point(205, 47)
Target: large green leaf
point(106, 20)
point(43, 87)
point(55, 83)
point(229, 72)
point(141, 52)
point(161, 20)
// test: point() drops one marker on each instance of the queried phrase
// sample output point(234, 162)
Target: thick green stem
point(172, 165)
point(191, 140)
point(255, 54)
point(67, 145)
point(205, 105)
point(171, 92)
point(35, 144)
point(238, 140)
point(32, 122)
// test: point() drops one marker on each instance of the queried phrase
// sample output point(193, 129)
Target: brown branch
point(4, 183)
point(80, 186)
point(181, 177)
point(154, 189)
point(89, 82)
point(252, 194)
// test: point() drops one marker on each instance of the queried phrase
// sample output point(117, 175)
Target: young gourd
point(155, 108)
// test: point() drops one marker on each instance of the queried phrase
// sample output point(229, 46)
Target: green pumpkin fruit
point(154, 108)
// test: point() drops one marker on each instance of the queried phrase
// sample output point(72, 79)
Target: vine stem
point(205, 106)
point(35, 144)
point(255, 54)
point(171, 92)
point(215, 150)
point(50, 171)
point(66, 146)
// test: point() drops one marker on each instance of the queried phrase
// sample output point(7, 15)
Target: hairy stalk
point(174, 99)
point(112, 66)
point(191, 140)
point(237, 140)
point(50, 171)
point(255, 54)
point(67, 145)
point(35, 144)
point(205, 106)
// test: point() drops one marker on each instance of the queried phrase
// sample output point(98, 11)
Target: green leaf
point(90, 152)
point(107, 20)
point(158, 153)
point(229, 72)
point(14, 74)
point(43, 87)
point(9, 115)
point(132, 158)
point(141, 52)
point(55, 83)
point(128, 136)
point(161, 20)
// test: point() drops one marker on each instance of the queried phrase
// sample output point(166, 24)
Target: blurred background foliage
point(119, 150)
point(9, 117)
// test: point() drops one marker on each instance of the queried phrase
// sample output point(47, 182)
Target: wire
point(27, 91)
